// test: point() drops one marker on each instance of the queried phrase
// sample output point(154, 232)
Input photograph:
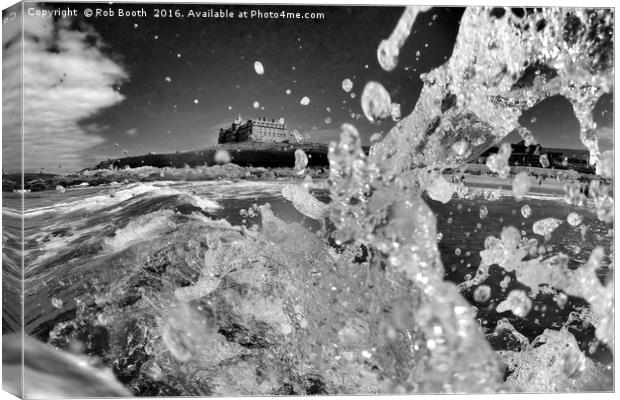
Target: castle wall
point(257, 131)
point(229, 136)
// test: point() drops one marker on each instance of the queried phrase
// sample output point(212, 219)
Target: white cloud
point(66, 78)
point(96, 128)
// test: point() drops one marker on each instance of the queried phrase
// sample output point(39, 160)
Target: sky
point(105, 87)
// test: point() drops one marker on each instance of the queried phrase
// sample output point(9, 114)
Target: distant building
point(529, 156)
point(256, 130)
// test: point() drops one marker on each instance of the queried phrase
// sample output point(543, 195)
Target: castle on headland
point(257, 130)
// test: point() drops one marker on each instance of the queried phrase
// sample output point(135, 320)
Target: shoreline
point(477, 185)
point(553, 183)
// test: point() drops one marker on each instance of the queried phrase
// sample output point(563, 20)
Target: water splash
point(499, 68)
point(389, 49)
point(560, 365)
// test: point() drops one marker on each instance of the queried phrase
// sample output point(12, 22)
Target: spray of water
point(500, 66)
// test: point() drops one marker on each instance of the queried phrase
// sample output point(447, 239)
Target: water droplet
point(561, 300)
point(498, 162)
point(518, 302)
point(376, 101)
point(545, 227)
point(574, 219)
point(258, 67)
point(222, 157)
point(155, 372)
point(304, 101)
point(526, 211)
point(505, 282)
point(521, 185)
point(376, 137)
point(395, 112)
point(460, 148)
point(441, 190)
point(483, 212)
point(256, 105)
point(56, 302)
point(347, 85)
point(301, 161)
point(482, 294)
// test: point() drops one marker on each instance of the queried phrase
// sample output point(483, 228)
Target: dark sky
point(181, 79)
point(216, 67)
